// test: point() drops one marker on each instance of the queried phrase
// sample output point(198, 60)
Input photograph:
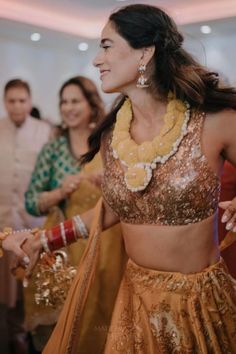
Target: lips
point(103, 72)
point(71, 117)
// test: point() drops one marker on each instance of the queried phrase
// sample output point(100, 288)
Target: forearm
point(28, 244)
point(47, 200)
point(109, 219)
point(73, 229)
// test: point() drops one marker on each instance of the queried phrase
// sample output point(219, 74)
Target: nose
point(18, 105)
point(67, 106)
point(98, 60)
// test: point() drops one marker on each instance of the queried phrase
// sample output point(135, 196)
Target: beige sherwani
point(19, 147)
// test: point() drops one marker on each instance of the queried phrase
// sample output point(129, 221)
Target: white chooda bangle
point(80, 227)
point(44, 241)
point(63, 234)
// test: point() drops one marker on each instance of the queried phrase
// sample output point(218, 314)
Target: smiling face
point(18, 104)
point(75, 109)
point(117, 61)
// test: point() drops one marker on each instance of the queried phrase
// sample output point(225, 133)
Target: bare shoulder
point(221, 128)
point(219, 118)
point(221, 124)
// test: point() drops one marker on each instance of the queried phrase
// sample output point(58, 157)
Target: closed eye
point(105, 47)
point(105, 43)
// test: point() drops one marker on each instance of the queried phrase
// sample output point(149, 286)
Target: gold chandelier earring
point(142, 80)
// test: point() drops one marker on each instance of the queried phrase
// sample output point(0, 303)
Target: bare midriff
point(186, 248)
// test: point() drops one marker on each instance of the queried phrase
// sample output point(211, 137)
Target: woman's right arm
point(27, 247)
point(33, 244)
point(109, 219)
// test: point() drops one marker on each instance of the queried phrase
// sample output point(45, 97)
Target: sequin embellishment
point(183, 190)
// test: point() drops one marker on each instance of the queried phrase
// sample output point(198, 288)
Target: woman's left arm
point(229, 137)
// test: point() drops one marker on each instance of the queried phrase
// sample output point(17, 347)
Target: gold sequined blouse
point(182, 191)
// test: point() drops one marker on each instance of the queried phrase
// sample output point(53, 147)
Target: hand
point(96, 178)
point(32, 247)
point(26, 247)
point(14, 242)
point(229, 216)
point(70, 184)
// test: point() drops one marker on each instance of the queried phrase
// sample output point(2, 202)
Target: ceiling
point(85, 18)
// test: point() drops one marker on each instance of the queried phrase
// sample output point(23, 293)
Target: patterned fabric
point(54, 162)
point(182, 191)
point(160, 312)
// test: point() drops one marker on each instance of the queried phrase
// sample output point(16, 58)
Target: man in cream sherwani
point(21, 139)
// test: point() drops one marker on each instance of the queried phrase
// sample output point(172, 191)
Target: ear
point(147, 54)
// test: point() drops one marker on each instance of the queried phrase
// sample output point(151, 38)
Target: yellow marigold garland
point(141, 159)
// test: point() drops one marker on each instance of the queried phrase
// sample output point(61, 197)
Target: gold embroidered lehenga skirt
point(166, 312)
point(143, 311)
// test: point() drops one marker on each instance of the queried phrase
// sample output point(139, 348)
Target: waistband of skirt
point(169, 281)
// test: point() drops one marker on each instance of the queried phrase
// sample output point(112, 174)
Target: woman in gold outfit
point(61, 188)
point(163, 147)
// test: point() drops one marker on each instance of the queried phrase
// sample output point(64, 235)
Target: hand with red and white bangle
point(64, 234)
point(25, 244)
point(28, 244)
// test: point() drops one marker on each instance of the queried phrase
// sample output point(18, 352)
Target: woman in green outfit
point(57, 172)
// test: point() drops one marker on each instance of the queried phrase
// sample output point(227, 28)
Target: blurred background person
point(57, 172)
point(55, 128)
point(22, 137)
point(61, 189)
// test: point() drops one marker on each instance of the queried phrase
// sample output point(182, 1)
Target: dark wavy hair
point(173, 69)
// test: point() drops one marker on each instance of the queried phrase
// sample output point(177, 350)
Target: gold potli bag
point(53, 278)
point(49, 284)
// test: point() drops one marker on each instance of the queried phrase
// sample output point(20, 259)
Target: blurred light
point(205, 29)
point(35, 37)
point(83, 46)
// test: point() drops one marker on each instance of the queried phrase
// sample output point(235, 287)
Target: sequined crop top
point(182, 191)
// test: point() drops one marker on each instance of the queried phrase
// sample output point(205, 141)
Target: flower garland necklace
point(141, 159)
